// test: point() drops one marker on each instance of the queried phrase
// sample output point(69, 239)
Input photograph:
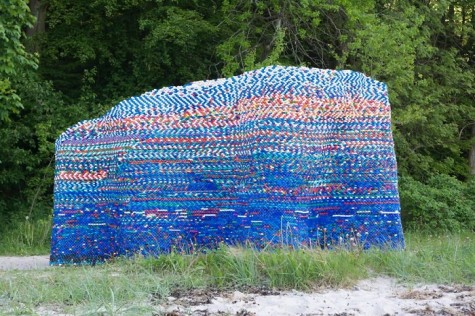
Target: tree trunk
point(472, 153)
point(38, 10)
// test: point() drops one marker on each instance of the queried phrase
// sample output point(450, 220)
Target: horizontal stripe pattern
point(279, 155)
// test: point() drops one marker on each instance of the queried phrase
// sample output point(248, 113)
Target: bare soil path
point(24, 263)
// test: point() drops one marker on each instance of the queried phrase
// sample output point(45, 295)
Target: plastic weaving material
point(280, 155)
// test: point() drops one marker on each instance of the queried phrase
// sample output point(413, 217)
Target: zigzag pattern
point(280, 155)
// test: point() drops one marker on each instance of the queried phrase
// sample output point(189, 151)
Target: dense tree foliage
point(13, 56)
point(94, 53)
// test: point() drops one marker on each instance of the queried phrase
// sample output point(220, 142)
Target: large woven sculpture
point(280, 155)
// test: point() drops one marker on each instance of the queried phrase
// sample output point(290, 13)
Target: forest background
point(62, 61)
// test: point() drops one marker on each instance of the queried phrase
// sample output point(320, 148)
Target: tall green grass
point(27, 237)
point(440, 258)
point(134, 285)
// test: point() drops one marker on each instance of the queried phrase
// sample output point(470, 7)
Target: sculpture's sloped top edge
point(337, 81)
point(254, 74)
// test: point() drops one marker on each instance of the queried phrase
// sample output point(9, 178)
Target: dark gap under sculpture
point(281, 155)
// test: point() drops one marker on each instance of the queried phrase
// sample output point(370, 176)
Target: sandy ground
point(376, 296)
point(24, 263)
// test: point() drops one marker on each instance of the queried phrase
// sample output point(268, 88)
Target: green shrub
point(443, 203)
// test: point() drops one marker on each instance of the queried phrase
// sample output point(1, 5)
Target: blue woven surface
point(281, 155)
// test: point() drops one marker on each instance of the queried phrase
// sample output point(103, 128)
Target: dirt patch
point(420, 295)
point(195, 297)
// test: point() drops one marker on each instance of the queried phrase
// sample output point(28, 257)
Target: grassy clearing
point(134, 286)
